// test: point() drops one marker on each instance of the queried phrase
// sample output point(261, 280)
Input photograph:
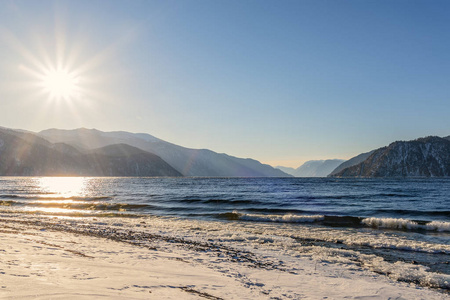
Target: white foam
point(438, 226)
point(401, 271)
point(288, 218)
point(271, 241)
point(405, 224)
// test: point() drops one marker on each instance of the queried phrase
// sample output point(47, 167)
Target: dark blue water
point(391, 226)
point(422, 200)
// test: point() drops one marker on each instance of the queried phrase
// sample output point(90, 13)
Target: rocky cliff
point(424, 157)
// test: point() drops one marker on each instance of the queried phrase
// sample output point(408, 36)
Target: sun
point(60, 84)
point(61, 70)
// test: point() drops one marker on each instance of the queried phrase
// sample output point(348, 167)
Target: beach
point(224, 150)
point(163, 258)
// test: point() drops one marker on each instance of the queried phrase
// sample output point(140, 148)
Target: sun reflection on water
point(65, 197)
point(58, 193)
point(63, 187)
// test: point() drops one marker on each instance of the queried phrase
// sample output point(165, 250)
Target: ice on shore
point(167, 258)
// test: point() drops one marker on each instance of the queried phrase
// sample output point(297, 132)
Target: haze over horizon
point(282, 82)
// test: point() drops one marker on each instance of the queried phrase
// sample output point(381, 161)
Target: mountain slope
point(32, 157)
point(125, 160)
point(351, 162)
point(317, 168)
point(424, 157)
point(28, 155)
point(189, 162)
point(287, 170)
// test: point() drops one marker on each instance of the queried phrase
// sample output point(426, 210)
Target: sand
point(41, 260)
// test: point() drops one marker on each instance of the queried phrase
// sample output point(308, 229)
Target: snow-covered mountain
point(189, 162)
point(424, 157)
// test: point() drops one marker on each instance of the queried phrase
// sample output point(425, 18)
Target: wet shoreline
point(206, 237)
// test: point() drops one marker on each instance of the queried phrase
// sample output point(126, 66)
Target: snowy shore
point(162, 258)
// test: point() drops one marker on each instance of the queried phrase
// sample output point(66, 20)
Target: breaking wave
point(343, 221)
point(404, 224)
point(288, 218)
point(70, 204)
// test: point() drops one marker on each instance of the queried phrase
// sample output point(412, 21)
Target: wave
point(220, 201)
point(404, 224)
point(58, 198)
point(75, 213)
point(354, 196)
point(287, 218)
point(343, 221)
point(66, 204)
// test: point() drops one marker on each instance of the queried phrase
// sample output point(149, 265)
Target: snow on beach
point(167, 258)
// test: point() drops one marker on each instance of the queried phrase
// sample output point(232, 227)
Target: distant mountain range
point(424, 157)
point(314, 168)
point(189, 162)
point(90, 152)
point(286, 170)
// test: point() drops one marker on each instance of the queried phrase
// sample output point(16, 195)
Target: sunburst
point(60, 84)
point(65, 78)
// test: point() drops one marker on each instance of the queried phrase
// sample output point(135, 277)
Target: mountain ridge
point(85, 152)
point(189, 162)
point(422, 157)
point(287, 170)
point(313, 168)
point(351, 162)
point(317, 168)
point(28, 155)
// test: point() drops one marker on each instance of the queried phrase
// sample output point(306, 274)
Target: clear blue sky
point(279, 81)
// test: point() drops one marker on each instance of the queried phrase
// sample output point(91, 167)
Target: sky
point(282, 82)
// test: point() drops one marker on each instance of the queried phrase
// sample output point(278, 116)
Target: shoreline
point(63, 257)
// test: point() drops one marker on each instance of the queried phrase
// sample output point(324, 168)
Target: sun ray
point(61, 72)
point(18, 46)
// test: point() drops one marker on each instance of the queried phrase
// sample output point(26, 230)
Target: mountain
point(189, 162)
point(351, 162)
point(25, 154)
point(286, 170)
point(126, 160)
point(424, 157)
point(317, 168)
point(22, 155)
